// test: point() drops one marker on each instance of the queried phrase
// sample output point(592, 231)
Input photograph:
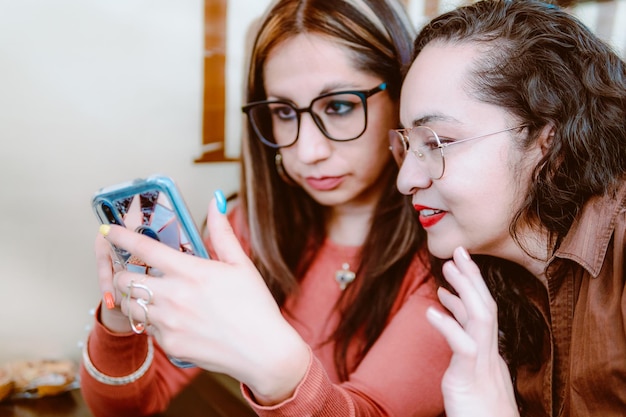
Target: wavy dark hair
point(286, 225)
point(545, 68)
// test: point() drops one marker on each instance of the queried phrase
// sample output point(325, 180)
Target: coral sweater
point(399, 376)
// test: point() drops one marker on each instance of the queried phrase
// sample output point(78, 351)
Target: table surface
point(208, 395)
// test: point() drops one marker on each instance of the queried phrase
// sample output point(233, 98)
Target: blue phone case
point(154, 207)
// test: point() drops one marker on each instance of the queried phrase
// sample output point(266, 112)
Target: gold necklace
point(344, 276)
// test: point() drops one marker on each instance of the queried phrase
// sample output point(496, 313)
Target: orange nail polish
point(108, 300)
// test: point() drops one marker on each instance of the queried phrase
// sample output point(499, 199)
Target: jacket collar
point(588, 239)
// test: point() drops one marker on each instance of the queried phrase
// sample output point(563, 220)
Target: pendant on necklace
point(344, 276)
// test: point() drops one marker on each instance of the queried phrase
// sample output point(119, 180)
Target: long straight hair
point(286, 226)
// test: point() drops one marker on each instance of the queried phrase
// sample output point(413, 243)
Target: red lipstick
point(429, 216)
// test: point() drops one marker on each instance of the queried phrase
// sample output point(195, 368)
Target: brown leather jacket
point(584, 305)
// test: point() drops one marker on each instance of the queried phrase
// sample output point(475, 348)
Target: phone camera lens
point(144, 230)
point(110, 215)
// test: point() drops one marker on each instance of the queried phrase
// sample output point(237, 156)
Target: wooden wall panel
point(214, 102)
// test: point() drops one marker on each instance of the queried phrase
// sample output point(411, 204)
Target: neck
point(534, 255)
point(535, 266)
point(349, 226)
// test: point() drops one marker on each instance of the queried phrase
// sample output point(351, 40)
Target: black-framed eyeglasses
point(427, 146)
point(341, 116)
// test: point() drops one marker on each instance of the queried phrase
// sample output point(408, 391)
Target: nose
point(412, 177)
point(312, 145)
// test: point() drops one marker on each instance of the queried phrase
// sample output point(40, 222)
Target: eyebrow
point(330, 88)
point(435, 117)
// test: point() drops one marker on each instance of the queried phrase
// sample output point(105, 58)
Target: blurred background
point(97, 92)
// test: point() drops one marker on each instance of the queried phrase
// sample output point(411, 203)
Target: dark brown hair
point(286, 225)
point(546, 69)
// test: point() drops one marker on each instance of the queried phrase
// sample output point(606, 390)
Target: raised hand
point(477, 381)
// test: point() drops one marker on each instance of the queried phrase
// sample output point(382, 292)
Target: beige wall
point(91, 93)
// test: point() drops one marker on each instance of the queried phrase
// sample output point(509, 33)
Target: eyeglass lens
point(424, 143)
point(339, 116)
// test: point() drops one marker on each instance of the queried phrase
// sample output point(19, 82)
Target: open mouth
point(429, 212)
point(428, 217)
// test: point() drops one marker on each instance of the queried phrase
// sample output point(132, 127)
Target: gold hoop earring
point(280, 169)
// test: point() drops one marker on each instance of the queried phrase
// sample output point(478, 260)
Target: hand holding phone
point(153, 207)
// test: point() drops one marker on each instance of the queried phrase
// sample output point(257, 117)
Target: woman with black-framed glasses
point(322, 311)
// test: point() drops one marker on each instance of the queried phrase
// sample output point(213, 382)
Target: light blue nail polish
point(221, 201)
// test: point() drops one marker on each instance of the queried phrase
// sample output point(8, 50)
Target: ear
point(546, 136)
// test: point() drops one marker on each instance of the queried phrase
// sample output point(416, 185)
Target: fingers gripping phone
point(154, 207)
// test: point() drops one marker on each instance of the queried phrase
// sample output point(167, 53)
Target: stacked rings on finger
point(139, 327)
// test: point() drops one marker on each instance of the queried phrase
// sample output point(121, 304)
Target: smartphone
point(154, 207)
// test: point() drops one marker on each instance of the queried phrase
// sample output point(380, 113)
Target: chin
point(330, 198)
point(440, 250)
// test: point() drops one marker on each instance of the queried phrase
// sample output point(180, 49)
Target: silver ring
point(139, 327)
point(141, 287)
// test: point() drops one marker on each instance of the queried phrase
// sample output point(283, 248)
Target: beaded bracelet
point(117, 380)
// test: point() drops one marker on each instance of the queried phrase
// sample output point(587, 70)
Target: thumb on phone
point(221, 234)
